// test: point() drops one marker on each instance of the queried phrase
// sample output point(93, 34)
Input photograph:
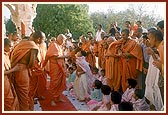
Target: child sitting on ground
point(71, 78)
point(102, 106)
point(140, 103)
point(128, 94)
point(115, 100)
point(103, 78)
point(95, 72)
point(96, 95)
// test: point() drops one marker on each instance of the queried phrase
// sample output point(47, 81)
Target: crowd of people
point(117, 70)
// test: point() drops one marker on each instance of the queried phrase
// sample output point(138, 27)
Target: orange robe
point(33, 83)
point(72, 56)
point(90, 58)
point(113, 67)
point(21, 78)
point(38, 79)
point(42, 77)
point(37, 84)
point(57, 71)
point(95, 49)
point(95, 52)
point(103, 62)
point(100, 53)
point(10, 98)
point(132, 65)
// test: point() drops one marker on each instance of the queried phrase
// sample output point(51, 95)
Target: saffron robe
point(57, 71)
point(21, 78)
point(10, 98)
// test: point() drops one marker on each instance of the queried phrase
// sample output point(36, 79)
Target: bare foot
point(53, 103)
point(61, 100)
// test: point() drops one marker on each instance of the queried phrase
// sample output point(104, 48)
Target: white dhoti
point(81, 86)
point(152, 91)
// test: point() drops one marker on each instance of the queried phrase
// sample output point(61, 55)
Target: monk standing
point(57, 69)
point(113, 65)
point(43, 77)
point(25, 53)
point(10, 98)
point(86, 44)
point(38, 77)
point(101, 49)
point(131, 59)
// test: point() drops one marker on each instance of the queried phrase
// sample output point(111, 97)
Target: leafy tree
point(132, 14)
point(54, 19)
point(10, 26)
point(99, 18)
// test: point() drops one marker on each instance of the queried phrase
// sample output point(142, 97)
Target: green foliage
point(131, 14)
point(54, 19)
point(10, 26)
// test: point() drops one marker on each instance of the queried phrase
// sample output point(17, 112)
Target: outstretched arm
point(18, 67)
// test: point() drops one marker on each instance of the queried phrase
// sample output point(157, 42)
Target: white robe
point(81, 87)
point(152, 91)
point(83, 83)
point(98, 35)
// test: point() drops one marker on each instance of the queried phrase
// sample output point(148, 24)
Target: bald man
point(57, 71)
point(25, 53)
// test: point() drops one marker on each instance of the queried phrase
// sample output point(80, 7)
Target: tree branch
point(10, 8)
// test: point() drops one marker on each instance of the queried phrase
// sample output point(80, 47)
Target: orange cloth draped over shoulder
point(132, 64)
point(38, 80)
point(20, 50)
point(10, 98)
point(90, 58)
point(57, 71)
point(85, 46)
point(113, 67)
point(21, 78)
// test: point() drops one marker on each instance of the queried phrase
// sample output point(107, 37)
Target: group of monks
point(27, 63)
point(21, 66)
point(129, 56)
